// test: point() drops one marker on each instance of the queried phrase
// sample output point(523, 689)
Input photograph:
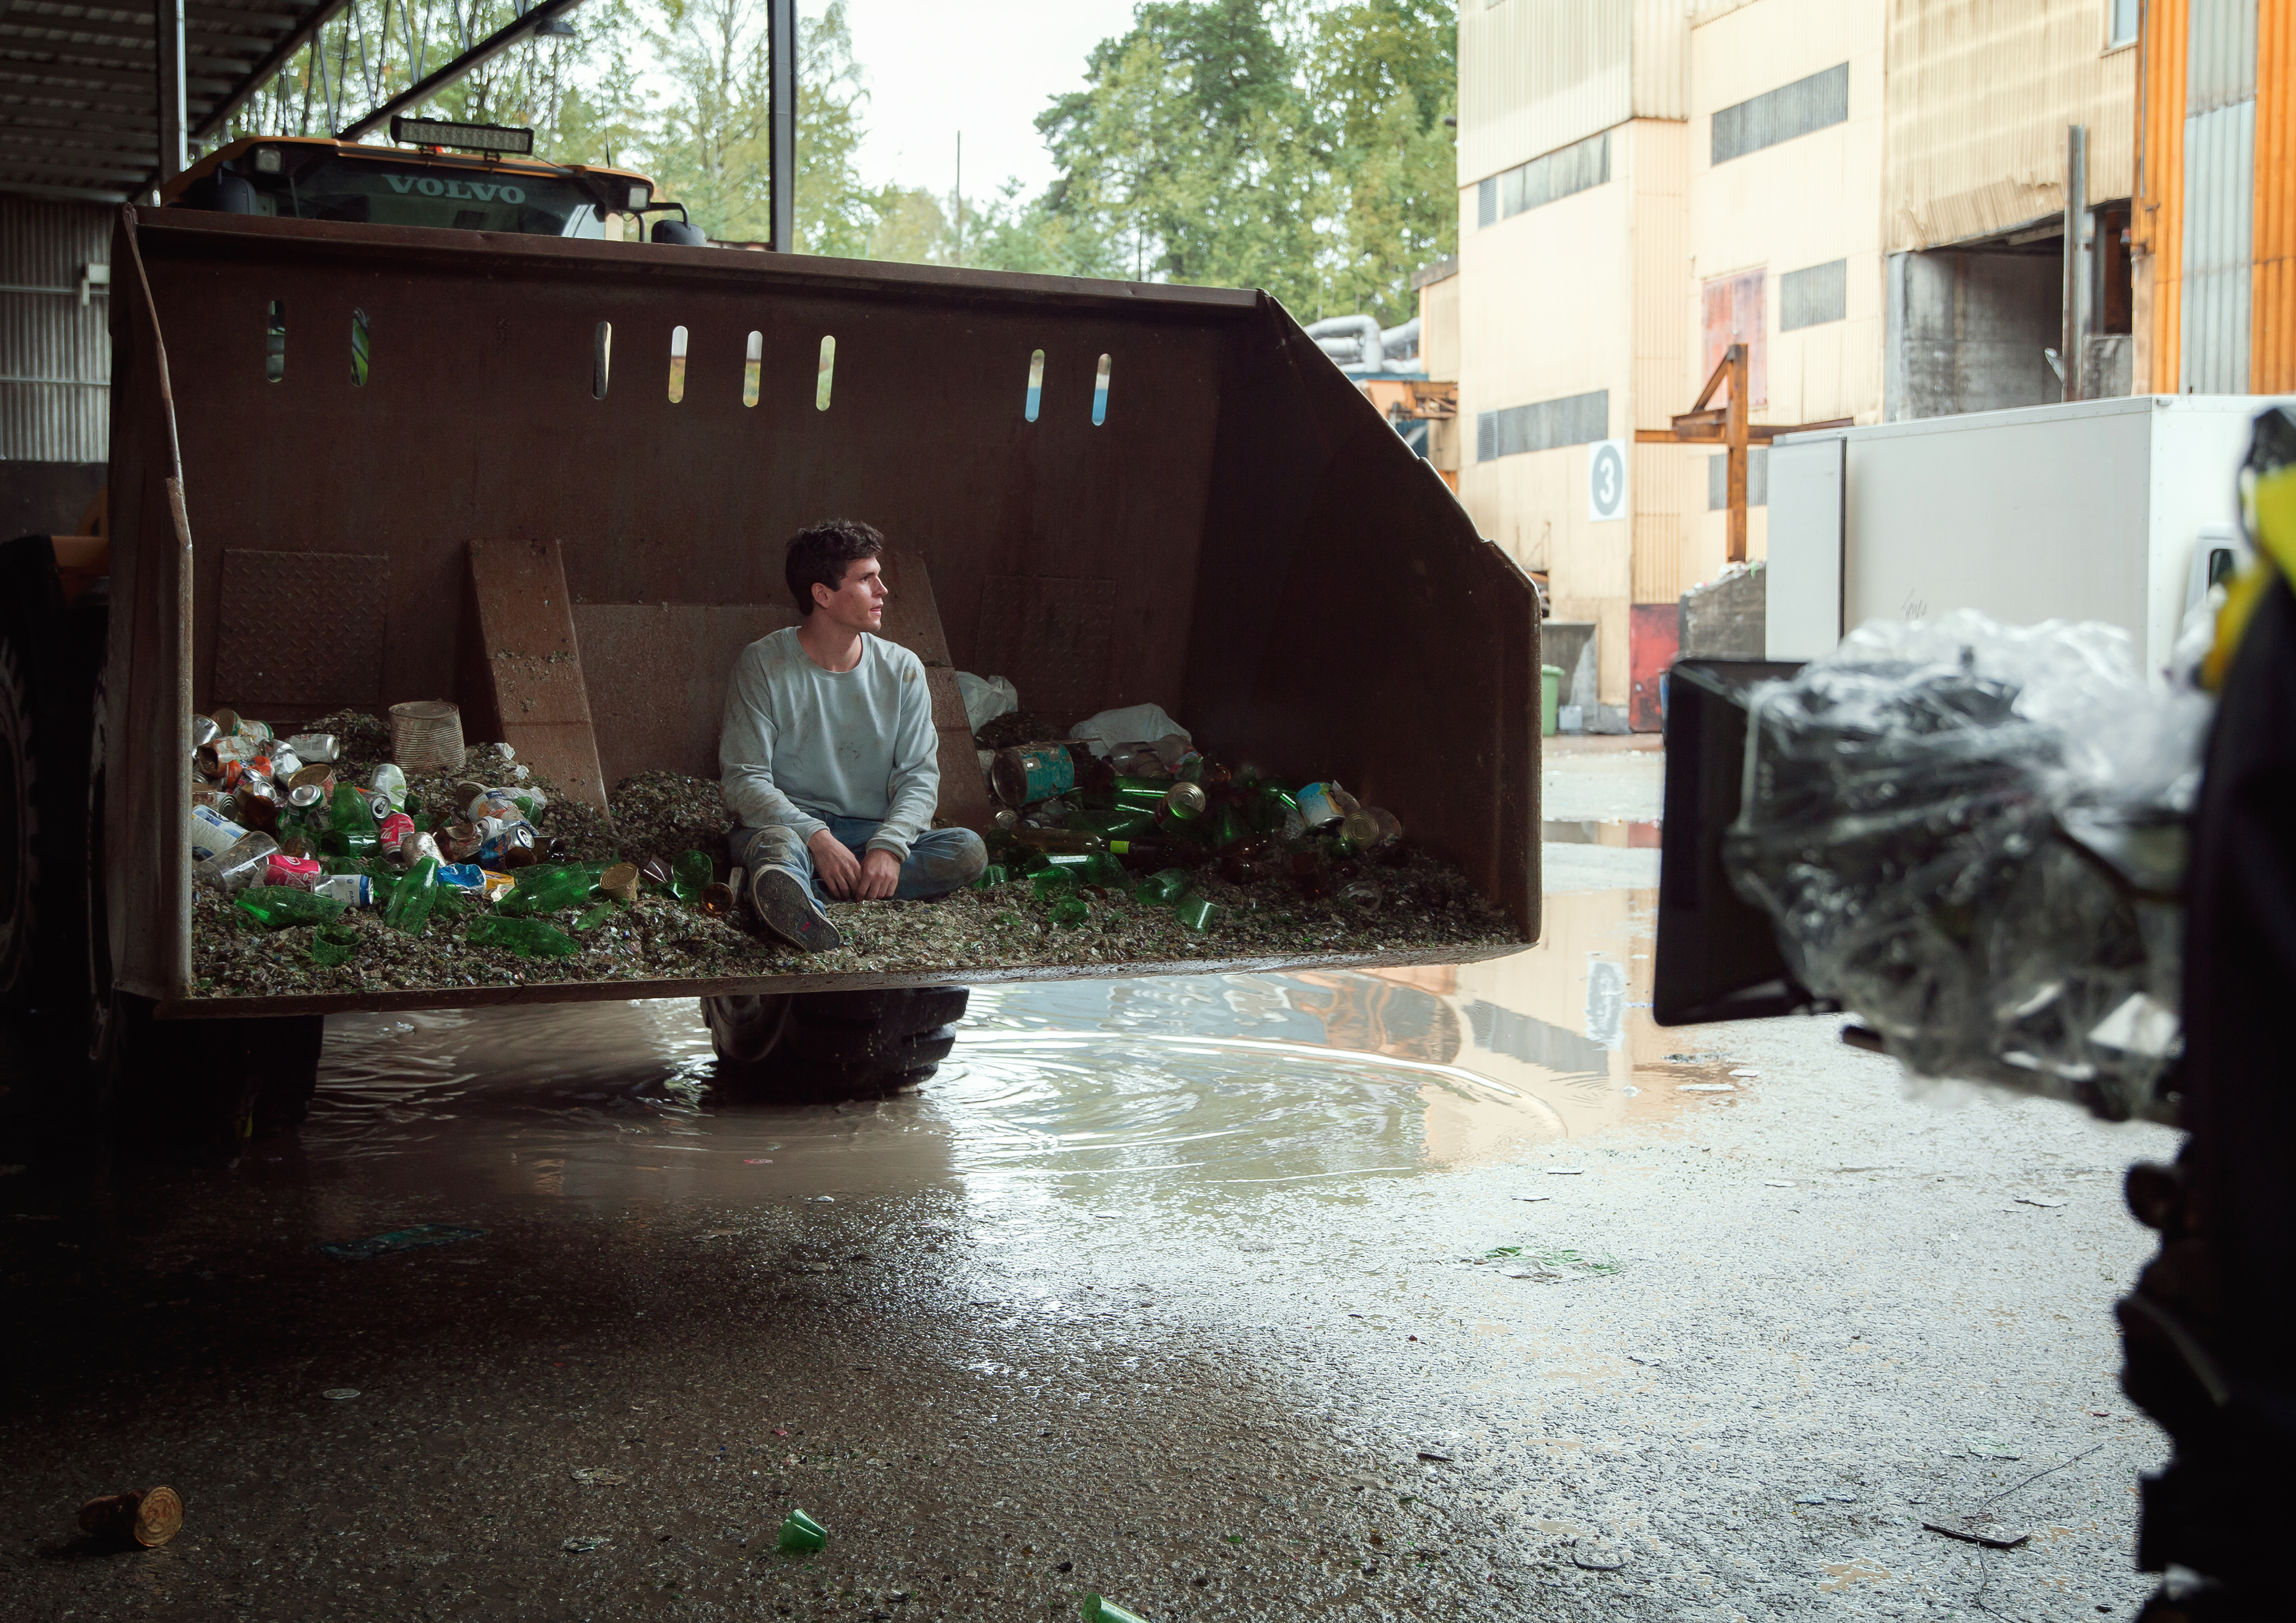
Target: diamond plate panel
point(301, 633)
point(1050, 636)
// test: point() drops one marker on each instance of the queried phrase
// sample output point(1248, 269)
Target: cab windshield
point(384, 193)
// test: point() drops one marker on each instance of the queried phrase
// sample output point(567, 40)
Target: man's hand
point(841, 871)
point(880, 874)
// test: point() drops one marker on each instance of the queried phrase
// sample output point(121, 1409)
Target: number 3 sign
point(1606, 481)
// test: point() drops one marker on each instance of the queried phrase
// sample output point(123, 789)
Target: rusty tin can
point(1026, 774)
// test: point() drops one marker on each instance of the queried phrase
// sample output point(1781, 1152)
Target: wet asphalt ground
point(1438, 1293)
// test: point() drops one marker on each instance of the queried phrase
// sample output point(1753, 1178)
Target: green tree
point(1264, 142)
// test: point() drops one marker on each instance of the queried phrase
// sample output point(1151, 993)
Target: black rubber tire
point(809, 1046)
point(19, 818)
point(197, 1090)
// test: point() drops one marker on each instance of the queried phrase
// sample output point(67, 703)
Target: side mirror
point(681, 234)
point(234, 193)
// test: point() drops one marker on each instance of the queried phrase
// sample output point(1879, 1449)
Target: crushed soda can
point(255, 805)
point(1185, 802)
point(321, 747)
point(462, 876)
point(212, 831)
point(1321, 805)
point(391, 783)
point(391, 828)
point(284, 762)
point(415, 847)
point(459, 840)
point(352, 889)
point(303, 797)
point(146, 1518)
point(227, 720)
point(214, 799)
point(204, 732)
point(506, 844)
point(301, 872)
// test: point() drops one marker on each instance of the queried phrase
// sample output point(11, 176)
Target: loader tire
point(804, 1047)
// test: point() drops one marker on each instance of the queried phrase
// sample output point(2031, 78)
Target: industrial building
point(1871, 196)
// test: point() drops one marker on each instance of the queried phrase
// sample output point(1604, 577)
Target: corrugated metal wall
point(2219, 196)
point(1535, 75)
point(55, 356)
point(2157, 225)
point(1977, 97)
point(2272, 296)
point(1662, 59)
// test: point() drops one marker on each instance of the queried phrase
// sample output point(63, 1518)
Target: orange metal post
point(2157, 223)
point(2272, 289)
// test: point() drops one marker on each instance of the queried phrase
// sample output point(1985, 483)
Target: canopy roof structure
point(81, 108)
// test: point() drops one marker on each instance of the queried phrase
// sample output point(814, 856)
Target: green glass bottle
point(801, 1535)
point(1097, 1609)
point(547, 886)
point(691, 875)
point(994, 874)
point(279, 907)
point(409, 912)
point(1198, 911)
point(352, 832)
point(333, 944)
point(1161, 889)
point(1072, 910)
point(1051, 883)
point(526, 938)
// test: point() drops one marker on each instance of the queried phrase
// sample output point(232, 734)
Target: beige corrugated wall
point(1659, 172)
point(1536, 75)
point(1979, 92)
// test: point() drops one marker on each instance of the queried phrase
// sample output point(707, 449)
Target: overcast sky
point(985, 67)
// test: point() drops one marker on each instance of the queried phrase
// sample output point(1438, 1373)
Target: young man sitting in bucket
point(828, 755)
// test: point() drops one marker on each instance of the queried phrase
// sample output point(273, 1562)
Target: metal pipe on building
point(2076, 256)
point(1334, 333)
point(173, 99)
point(780, 67)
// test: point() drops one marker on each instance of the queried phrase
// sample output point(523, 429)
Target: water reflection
point(1191, 1085)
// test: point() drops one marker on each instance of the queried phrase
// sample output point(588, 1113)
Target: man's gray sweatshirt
point(801, 744)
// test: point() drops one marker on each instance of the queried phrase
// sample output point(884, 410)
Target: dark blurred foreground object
point(2206, 1334)
point(123, 1521)
point(1969, 833)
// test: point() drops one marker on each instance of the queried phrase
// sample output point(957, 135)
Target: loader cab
point(494, 185)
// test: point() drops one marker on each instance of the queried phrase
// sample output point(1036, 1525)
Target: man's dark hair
point(823, 552)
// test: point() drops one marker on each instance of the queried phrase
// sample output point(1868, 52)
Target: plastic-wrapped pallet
point(1971, 835)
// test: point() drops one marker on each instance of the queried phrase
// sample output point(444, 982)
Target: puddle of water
point(1195, 1089)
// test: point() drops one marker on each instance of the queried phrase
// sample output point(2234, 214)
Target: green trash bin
point(1550, 697)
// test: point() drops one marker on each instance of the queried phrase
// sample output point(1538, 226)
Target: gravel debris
point(1425, 906)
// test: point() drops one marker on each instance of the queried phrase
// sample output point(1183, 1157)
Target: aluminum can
point(388, 782)
point(463, 875)
point(1024, 776)
point(355, 889)
point(413, 846)
point(301, 872)
point(390, 827)
point(1321, 805)
point(316, 746)
point(204, 732)
point(304, 796)
point(212, 831)
point(239, 866)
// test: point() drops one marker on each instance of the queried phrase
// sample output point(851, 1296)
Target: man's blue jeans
point(940, 860)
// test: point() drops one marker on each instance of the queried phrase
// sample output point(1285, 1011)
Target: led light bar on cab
point(462, 138)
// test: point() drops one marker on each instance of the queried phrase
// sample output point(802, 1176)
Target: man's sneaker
point(785, 906)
